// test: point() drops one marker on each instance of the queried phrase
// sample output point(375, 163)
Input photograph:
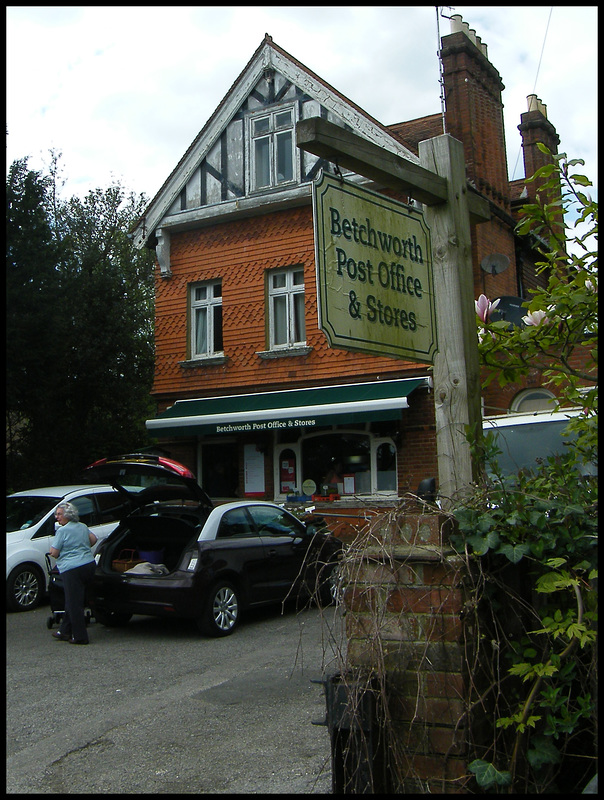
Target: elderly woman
point(71, 546)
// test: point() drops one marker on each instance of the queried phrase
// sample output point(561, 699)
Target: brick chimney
point(474, 110)
point(534, 127)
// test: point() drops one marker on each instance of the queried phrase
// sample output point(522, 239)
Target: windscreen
point(23, 512)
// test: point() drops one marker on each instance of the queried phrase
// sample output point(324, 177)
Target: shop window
point(386, 467)
point(343, 462)
point(338, 463)
point(272, 149)
point(287, 471)
point(205, 301)
point(287, 327)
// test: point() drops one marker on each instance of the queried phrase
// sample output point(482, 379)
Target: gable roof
point(267, 56)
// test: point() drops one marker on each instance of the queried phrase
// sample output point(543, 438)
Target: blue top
point(73, 544)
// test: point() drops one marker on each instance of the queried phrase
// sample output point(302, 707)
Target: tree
point(32, 294)
point(532, 537)
point(85, 392)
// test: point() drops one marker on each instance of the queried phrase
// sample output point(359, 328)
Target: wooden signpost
point(440, 184)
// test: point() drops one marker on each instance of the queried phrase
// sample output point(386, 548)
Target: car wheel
point(221, 612)
point(112, 619)
point(24, 588)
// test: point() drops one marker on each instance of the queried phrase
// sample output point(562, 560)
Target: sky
point(122, 92)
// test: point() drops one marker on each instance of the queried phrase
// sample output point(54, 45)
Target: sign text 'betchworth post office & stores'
point(374, 272)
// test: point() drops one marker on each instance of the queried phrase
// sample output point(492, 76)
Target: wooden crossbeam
point(353, 152)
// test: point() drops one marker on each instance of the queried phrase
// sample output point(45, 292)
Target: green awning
point(293, 408)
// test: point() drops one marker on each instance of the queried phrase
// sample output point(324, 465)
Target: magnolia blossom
point(535, 318)
point(590, 286)
point(484, 307)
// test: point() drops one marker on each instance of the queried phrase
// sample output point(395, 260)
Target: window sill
point(286, 352)
point(211, 361)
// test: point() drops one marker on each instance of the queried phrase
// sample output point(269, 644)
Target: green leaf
point(555, 563)
point(523, 670)
point(543, 751)
point(515, 553)
point(487, 775)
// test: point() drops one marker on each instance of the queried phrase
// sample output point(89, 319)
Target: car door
point(238, 548)
point(285, 542)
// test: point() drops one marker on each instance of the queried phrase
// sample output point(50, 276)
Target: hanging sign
point(374, 272)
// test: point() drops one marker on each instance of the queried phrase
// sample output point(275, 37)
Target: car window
point(86, 509)
point(275, 522)
point(236, 524)
point(25, 511)
point(111, 506)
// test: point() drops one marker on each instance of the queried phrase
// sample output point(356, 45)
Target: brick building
point(249, 393)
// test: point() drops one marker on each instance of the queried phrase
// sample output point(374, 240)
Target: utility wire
point(535, 84)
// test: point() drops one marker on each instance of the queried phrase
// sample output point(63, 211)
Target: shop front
point(321, 444)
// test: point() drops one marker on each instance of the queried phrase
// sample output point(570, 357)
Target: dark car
point(178, 555)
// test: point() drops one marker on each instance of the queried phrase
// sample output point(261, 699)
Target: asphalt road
point(156, 708)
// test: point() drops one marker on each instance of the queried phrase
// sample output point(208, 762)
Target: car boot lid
point(150, 471)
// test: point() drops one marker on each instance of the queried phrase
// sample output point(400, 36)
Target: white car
point(30, 526)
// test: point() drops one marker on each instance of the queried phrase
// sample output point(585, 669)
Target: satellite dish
point(510, 309)
point(495, 263)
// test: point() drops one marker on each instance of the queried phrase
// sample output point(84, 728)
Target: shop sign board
point(375, 282)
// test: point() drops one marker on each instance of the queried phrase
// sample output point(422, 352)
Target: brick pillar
point(403, 604)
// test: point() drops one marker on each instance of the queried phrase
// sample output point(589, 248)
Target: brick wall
point(240, 253)
point(403, 604)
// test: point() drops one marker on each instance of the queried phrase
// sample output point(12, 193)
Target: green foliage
point(79, 328)
point(560, 339)
point(533, 535)
point(487, 776)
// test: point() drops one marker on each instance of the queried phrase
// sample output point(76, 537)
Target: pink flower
point(484, 307)
point(535, 318)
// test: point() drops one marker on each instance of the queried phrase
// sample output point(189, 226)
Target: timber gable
point(213, 181)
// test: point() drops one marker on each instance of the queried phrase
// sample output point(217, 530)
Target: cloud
point(123, 91)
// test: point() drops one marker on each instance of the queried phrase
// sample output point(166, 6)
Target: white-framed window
point(272, 148)
point(206, 318)
point(533, 400)
point(287, 327)
point(345, 463)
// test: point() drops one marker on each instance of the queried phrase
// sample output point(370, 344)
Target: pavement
point(155, 708)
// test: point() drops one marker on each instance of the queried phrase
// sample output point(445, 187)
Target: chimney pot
point(456, 23)
point(535, 104)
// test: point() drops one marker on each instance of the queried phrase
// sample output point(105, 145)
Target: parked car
point(30, 525)
point(178, 555)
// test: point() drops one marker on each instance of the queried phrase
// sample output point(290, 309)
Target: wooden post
point(456, 364)
point(449, 204)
